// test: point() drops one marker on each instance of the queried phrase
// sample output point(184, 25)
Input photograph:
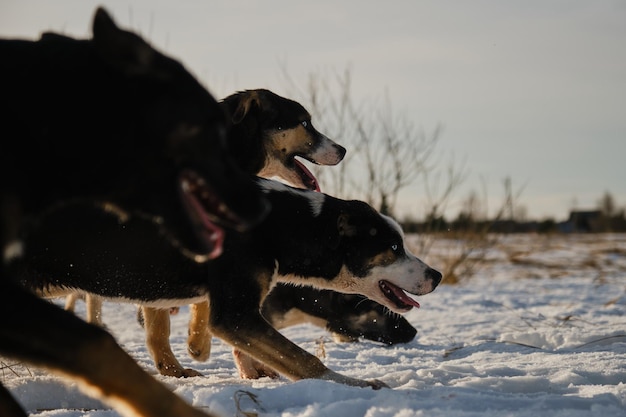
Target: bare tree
point(606, 204)
point(386, 153)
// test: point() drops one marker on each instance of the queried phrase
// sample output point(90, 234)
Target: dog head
point(270, 131)
point(348, 316)
point(346, 246)
point(116, 121)
point(378, 264)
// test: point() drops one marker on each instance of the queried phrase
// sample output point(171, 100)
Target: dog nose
point(341, 151)
point(434, 275)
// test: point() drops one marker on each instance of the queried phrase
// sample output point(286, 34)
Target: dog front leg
point(199, 339)
point(94, 309)
point(251, 334)
point(66, 344)
point(157, 327)
point(250, 368)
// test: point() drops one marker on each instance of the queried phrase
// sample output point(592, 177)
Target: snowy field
point(539, 330)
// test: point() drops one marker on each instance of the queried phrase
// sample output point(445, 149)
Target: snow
point(538, 330)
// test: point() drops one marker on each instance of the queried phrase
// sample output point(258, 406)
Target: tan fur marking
point(199, 339)
point(294, 317)
point(157, 325)
point(383, 259)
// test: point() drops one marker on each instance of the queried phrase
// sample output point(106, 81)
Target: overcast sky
point(530, 90)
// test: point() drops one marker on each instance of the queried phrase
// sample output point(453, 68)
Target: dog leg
point(199, 339)
point(94, 309)
point(254, 336)
point(250, 368)
point(70, 301)
point(157, 327)
point(67, 345)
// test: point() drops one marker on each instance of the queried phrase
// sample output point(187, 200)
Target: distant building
point(583, 221)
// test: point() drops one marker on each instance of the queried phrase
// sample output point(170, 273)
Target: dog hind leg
point(157, 327)
point(94, 309)
point(199, 339)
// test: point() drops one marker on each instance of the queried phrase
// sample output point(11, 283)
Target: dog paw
point(200, 355)
point(355, 382)
point(376, 384)
point(250, 368)
point(188, 373)
point(177, 371)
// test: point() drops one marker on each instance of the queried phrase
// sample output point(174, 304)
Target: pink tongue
point(398, 292)
point(212, 234)
point(307, 176)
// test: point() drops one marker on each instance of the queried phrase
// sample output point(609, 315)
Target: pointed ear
point(344, 227)
point(244, 106)
point(121, 49)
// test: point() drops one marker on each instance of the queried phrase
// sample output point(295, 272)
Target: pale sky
point(534, 90)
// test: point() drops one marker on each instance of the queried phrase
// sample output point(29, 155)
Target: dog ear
point(244, 106)
point(344, 227)
point(123, 50)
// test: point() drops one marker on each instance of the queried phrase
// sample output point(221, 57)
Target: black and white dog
point(268, 133)
point(308, 238)
point(107, 121)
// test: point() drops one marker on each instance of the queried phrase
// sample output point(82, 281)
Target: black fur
point(104, 120)
point(350, 315)
point(269, 131)
point(306, 234)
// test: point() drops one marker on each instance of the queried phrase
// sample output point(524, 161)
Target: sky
point(533, 91)
point(543, 336)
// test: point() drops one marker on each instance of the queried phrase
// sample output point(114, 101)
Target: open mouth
point(397, 296)
point(306, 176)
point(207, 211)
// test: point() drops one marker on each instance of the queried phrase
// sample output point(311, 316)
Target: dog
point(268, 133)
point(308, 238)
point(107, 122)
point(348, 317)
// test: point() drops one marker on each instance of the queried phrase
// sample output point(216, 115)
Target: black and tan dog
point(348, 317)
point(308, 238)
point(269, 132)
point(267, 135)
point(105, 121)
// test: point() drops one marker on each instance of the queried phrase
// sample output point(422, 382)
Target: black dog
point(270, 131)
point(347, 316)
point(107, 121)
point(308, 238)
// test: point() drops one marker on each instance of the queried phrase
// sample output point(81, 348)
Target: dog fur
point(308, 238)
point(268, 134)
point(107, 121)
point(348, 317)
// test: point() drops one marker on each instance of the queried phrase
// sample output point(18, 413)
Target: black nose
point(341, 151)
point(434, 275)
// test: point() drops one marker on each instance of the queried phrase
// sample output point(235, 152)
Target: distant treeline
point(592, 221)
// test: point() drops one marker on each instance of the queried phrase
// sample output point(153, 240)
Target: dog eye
point(304, 124)
point(394, 247)
point(279, 128)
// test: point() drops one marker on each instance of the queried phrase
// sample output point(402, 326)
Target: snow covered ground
point(539, 330)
